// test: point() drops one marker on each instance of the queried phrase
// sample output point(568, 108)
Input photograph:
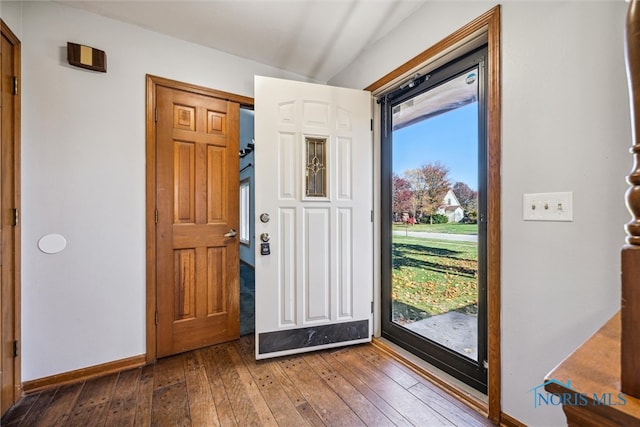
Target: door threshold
point(451, 385)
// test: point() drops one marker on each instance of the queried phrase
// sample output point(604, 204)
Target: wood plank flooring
point(223, 385)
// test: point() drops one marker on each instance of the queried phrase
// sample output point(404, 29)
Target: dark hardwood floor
point(223, 385)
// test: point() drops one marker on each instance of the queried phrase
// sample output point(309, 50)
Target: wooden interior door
point(10, 381)
point(197, 196)
point(313, 166)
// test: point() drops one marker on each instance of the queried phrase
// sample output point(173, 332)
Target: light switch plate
point(547, 206)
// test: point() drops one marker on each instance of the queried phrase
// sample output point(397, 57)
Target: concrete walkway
point(454, 330)
point(441, 236)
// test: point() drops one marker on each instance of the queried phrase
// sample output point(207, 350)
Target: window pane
point(244, 212)
point(435, 202)
point(316, 168)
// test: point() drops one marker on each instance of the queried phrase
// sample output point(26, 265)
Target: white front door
point(313, 179)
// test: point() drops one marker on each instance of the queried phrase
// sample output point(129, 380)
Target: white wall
point(83, 176)
point(565, 127)
point(11, 14)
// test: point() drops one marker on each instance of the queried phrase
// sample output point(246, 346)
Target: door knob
point(265, 237)
point(231, 233)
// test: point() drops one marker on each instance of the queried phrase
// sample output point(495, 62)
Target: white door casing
point(315, 288)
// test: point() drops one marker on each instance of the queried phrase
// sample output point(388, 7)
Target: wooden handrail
point(632, 54)
point(630, 254)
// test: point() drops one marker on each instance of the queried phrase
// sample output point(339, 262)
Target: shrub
point(470, 217)
point(437, 219)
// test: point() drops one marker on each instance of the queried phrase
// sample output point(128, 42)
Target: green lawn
point(433, 277)
point(451, 228)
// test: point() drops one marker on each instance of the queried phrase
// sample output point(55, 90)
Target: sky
point(450, 138)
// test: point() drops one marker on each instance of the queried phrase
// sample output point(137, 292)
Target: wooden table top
point(593, 371)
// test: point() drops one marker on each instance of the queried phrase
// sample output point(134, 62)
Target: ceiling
point(313, 38)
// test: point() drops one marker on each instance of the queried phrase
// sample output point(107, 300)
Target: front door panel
point(314, 180)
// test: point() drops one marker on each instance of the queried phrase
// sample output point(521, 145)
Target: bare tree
point(467, 197)
point(430, 184)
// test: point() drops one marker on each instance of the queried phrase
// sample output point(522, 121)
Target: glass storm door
point(433, 227)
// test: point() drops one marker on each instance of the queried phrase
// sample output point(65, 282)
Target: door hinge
point(15, 85)
point(15, 348)
point(156, 119)
point(371, 307)
point(371, 125)
point(156, 216)
point(156, 317)
point(371, 215)
point(15, 217)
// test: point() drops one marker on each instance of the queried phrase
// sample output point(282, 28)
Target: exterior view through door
point(313, 197)
point(434, 218)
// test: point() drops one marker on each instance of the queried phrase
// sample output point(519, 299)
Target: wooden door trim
point(488, 23)
point(152, 82)
point(6, 32)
